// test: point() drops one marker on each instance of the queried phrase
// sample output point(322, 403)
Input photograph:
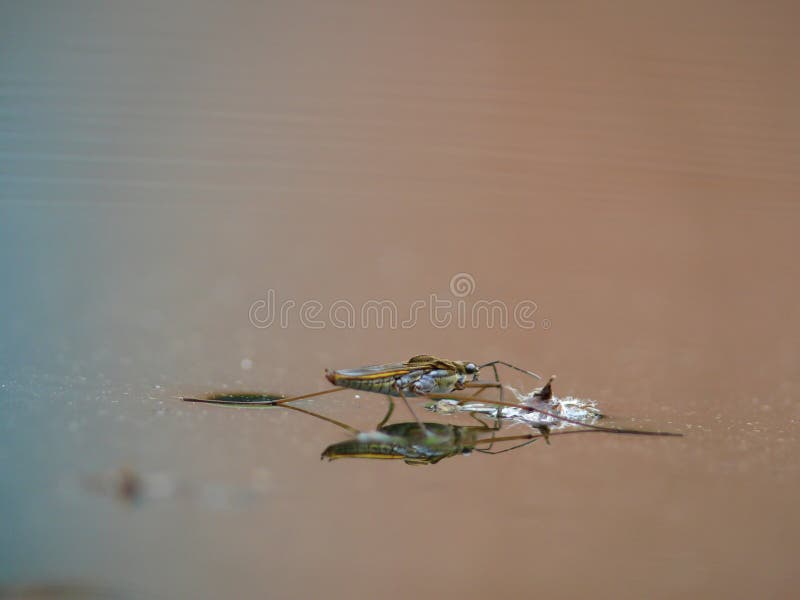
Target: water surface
point(631, 169)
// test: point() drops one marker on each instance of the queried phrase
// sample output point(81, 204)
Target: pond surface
point(622, 180)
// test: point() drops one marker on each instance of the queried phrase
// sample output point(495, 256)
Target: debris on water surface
point(61, 590)
point(131, 487)
point(576, 409)
point(123, 484)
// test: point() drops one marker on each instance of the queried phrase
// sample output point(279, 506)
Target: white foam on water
point(582, 410)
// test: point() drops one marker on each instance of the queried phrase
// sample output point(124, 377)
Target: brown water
point(631, 168)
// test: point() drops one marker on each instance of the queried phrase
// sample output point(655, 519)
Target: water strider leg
point(532, 437)
point(482, 385)
point(479, 386)
point(400, 393)
point(494, 364)
point(494, 430)
point(544, 432)
point(489, 449)
point(545, 393)
point(497, 379)
point(344, 426)
point(304, 396)
point(499, 408)
point(475, 416)
point(388, 414)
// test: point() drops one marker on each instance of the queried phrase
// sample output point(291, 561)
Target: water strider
point(422, 375)
point(426, 376)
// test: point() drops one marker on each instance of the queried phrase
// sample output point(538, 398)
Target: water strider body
point(422, 375)
point(419, 376)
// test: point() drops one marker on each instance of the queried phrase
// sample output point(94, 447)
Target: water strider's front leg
point(494, 364)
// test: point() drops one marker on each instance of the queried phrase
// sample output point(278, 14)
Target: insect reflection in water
point(415, 443)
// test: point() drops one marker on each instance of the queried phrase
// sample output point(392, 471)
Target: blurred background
point(630, 169)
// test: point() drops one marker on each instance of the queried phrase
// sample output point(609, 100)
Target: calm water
point(632, 170)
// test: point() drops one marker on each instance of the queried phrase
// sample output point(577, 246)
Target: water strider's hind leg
point(400, 393)
point(345, 426)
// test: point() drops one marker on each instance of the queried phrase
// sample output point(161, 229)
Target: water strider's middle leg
point(400, 393)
